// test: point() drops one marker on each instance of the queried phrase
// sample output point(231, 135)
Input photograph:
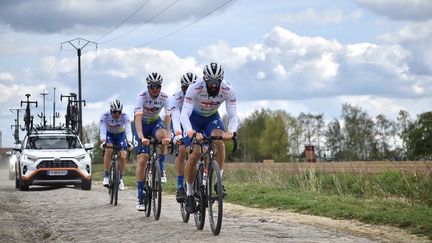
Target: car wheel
point(16, 183)
point(86, 185)
point(22, 186)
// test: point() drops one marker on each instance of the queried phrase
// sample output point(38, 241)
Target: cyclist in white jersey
point(200, 116)
point(176, 102)
point(114, 130)
point(149, 124)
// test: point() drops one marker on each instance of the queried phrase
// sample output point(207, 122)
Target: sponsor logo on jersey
point(153, 109)
point(209, 103)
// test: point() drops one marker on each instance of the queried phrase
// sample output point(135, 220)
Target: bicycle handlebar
point(211, 139)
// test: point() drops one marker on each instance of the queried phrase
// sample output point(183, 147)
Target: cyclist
point(200, 114)
point(114, 130)
point(148, 123)
point(176, 106)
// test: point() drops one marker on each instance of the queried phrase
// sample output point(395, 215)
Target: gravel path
point(58, 214)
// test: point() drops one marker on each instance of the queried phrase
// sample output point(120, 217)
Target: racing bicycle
point(207, 187)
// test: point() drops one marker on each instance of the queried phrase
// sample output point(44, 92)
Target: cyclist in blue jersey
point(148, 123)
point(200, 116)
point(114, 130)
point(176, 107)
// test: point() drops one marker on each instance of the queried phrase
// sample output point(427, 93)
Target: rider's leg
point(142, 159)
point(191, 168)
point(107, 159)
point(220, 156)
point(162, 133)
point(122, 166)
point(180, 166)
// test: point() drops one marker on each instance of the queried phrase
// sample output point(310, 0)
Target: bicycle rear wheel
point(199, 194)
point(215, 197)
point(185, 215)
point(156, 190)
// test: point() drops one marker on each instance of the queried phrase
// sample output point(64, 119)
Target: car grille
point(59, 164)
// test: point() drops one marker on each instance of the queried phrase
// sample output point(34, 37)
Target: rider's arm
point(186, 112)
point(231, 108)
point(175, 115)
point(138, 114)
point(102, 128)
point(167, 108)
point(127, 128)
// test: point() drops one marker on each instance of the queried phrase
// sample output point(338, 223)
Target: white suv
point(53, 157)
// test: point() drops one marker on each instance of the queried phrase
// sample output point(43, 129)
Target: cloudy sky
point(300, 56)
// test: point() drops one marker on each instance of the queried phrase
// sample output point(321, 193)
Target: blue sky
point(300, 56)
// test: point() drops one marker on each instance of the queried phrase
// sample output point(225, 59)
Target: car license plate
point(57, 172)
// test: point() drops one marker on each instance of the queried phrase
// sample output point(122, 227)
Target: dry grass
point(352, 167)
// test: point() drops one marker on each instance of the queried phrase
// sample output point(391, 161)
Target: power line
point(185, 26)
point(145, 22)
point(124, 21)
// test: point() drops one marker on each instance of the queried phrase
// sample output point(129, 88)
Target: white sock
point(189, 189)
point(221, 171)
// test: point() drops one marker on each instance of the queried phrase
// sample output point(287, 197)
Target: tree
point(273, 142)
point(334, 138)
point(419, 139)
point(359, 132)
point(403, 124)
point(383, 131)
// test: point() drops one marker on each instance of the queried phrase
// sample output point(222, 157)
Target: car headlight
point(81, 157)
point(30, 158)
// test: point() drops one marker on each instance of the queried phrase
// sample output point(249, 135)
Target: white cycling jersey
point(176, 104)
point(115, 126)
point(149, 107)
point(198, 101)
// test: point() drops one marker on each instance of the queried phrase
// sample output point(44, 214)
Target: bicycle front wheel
point(185, 215)
point(156, 190)
point(116, 181)
point(199, 194)
point(215, 197)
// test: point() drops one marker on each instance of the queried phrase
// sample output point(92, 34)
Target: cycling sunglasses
point(211, 81)
point(154, 86)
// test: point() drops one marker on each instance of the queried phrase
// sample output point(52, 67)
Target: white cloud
point(414, 10)
point(6, 76)
point(321, 17)
point(46, 16)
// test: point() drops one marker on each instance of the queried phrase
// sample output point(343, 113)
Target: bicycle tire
point(156, 190)
point(147, 190)
point(110, 185)
point(199, 194)
point(116, 181)
point(185, 214)
point(215, 198)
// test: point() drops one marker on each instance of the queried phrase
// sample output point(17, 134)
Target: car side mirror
point(88, 146)
point(17, 147)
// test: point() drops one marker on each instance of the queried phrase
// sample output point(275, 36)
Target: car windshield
point(53, 142)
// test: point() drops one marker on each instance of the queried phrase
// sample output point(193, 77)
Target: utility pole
point(17, 125)
point(44, 93)
point(54, 112)
point(78, 46)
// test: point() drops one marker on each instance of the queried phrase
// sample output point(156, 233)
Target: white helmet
point(188, 79)
point(214, 71)
point(154, 78)
point(116, 105)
